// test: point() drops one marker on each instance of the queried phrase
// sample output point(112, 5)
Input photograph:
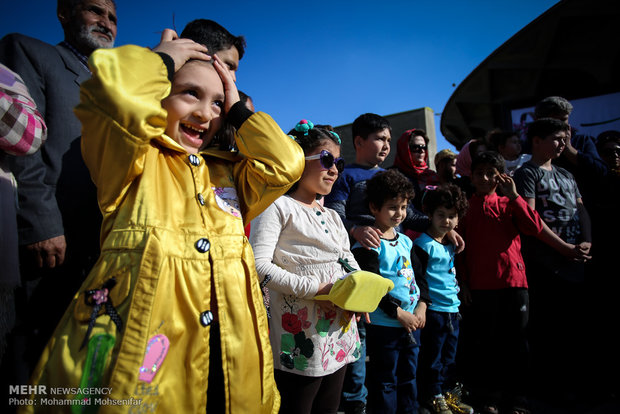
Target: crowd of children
point(488, 254)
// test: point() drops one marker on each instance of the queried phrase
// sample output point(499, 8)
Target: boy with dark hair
point(579, 157)
point(372, 134)
point(394, 335)
point(495, 289)
point(217, 39)
point(555, 268)
point(439, 391)
point(58, 216)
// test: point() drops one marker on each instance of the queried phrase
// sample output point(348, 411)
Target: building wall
point(422, 118)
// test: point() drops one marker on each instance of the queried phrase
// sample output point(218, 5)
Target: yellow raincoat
point(173, 230)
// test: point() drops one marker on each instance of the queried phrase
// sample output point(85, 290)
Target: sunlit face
point(511, 148)
point(444, 220)
point(418, 149)
point(551, 146)
point(91, 25)
point(610, 153)
point(374, 149)
point(484, 179)
point(316, 179)
point(194, 105)
point(391, 213)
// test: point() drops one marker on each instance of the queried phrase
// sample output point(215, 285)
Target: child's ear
point(373, 209)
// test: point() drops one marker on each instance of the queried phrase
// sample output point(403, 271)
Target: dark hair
point(368, 123)
point(213, 35)
point(490, 158)
point(446, 195)
point(386, 185)
point(498, 137)
point(418, 132)
point(552, 106)
point(544, 127)
point(243, 97)
point(607, 136)
point(314, 138)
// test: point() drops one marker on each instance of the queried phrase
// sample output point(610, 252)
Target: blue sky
point(327, 61)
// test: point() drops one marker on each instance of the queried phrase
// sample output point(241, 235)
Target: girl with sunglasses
point(301, 248)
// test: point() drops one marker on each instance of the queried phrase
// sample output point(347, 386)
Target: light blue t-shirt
point(395, 264)
point(443, 287)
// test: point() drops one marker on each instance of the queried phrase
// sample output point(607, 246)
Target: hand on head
point(180, 50)
point(228, 79)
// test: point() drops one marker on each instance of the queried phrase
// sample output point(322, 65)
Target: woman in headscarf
point(412, 160)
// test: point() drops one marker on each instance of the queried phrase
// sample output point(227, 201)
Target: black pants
point(495, 338)
point(306, 395)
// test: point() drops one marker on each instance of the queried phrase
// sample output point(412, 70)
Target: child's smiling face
point(316, 179)
point(443, 221)
point(391, 213)
point(195, 105)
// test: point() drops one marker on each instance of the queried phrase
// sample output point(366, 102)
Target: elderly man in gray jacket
point(58, 217)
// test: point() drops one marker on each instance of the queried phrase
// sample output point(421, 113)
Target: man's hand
point(49, 253)
point(180, 50)
point(367, 236)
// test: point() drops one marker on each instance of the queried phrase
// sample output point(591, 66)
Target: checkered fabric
point(22, 128)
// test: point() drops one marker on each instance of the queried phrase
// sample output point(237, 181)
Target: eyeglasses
point(328, 160)
point(610, 152)
point(417, 148)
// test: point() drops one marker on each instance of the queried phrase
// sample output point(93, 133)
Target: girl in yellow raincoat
point(175, 289)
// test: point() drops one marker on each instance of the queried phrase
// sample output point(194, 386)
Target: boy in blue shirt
point(442, 395)
point(394, 335)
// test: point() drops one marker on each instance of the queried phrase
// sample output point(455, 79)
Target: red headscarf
point(404, 160)
point(422, 174)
